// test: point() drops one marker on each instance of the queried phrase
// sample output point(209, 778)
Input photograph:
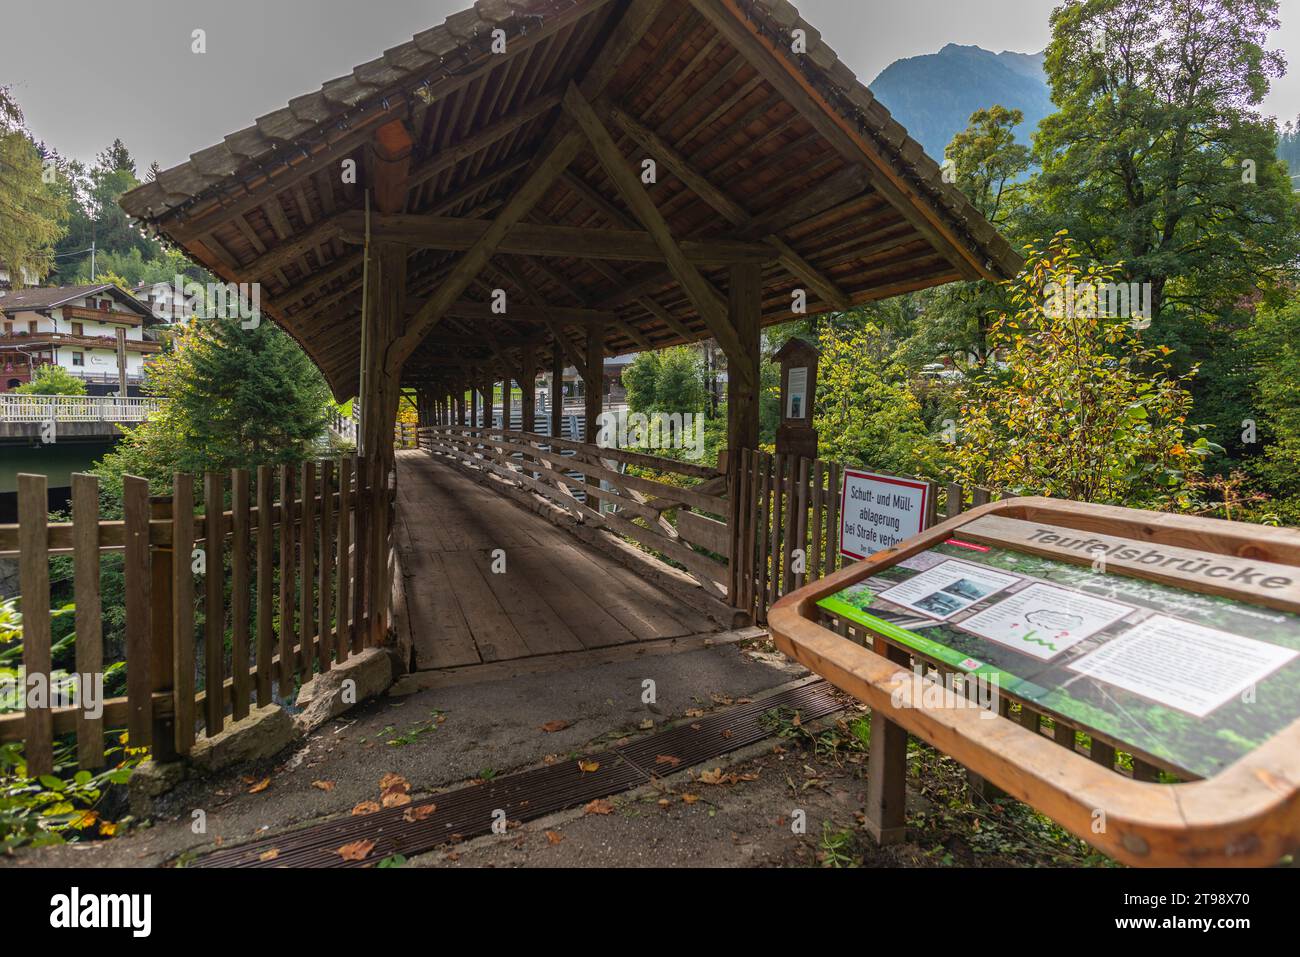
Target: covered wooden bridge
point(543, 183)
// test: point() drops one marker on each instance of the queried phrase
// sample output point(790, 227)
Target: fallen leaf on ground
point(552, 726)
point(323, 785)
point(395, 799)
point(694, 712)
point(588, 766)
point(647, 724)
point(555, 837)
point(270, 855)
point(696, 726)
point(366, 807)
point(247, 778)
point(394, 782)
point(667, 759)
point(690, 798)
point(453, 856)
point(260, 786)
point(664, 802)
point(356, 851)
point(599, 806)
point(711, 777)
point(727, 732)
point(413, 814)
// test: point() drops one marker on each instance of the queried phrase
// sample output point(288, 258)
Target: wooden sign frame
point(1247, 815)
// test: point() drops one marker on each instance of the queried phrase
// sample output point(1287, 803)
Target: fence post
point(34, 579)
point(160, 628)
point(138, 583)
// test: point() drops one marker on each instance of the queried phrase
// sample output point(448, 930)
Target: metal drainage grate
point(467, 812)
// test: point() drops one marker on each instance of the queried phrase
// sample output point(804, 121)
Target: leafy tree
point(666, 380)
point(1274, 342)
point(867, 413)
point(1157, 157)
point(52, 380)
point(31, 213)
point(990, 167)
point(1077, 405)
point(233, 397)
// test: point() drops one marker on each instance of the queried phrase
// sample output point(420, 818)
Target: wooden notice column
point(594, 379)
point(528, 388)
point(744, 311)
point(557, 390)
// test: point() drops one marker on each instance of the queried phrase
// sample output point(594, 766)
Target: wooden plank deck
point(556, 595)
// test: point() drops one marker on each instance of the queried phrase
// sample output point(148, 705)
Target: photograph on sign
point(879, 511)
point(947, 588)
point(797, 393)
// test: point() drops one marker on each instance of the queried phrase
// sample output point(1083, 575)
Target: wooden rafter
point(701, 294)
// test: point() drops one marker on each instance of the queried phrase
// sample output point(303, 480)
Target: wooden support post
point(161, 577)
point(528, 388)
point(886, 809)
point(594, 379)
point(382, 324)
point(34, 581)
point(183, 610)
point(507, 400)
point(89, 626)
point(122, 378)
point(557, 389)
point(745, 315)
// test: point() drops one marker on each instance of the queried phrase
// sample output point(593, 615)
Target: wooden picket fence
point(577, 475)
point(270, 564)
point(787, 504)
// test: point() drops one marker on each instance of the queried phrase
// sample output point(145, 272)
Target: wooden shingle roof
point(762, 153)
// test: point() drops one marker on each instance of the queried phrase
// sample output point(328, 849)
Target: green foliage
point(234, 397)
point(55, 807)
point(666, 380)
point(31, 212)
point(1076, 406)
point(52, 380)
point(867, 413)
point(1274, 342)
point(1150, 157)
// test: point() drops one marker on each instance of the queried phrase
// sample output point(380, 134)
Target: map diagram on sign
point(1044, 620)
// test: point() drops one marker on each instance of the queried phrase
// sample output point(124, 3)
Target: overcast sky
point(85, 71)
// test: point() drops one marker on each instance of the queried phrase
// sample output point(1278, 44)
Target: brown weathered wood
point(343, 560)
point(265, 583)
point(34, 580)
point(361, 504)
point(816, 544)
point(137, 582)
point(702, 295)
point(307, 565)
point(161, 653)
point(241, 583)
point(801, 521)
point(778, 581)
point(453, 234)
point(214, 612)
point(89, 628)
point(324, 564)
point(288, 580)
point(886, 799)
point(183, 609)
point(764, 547)
point(833, 519)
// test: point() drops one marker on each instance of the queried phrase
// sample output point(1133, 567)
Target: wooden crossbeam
point(702, 296)
point(556, 153)
point(736, 214)
point(528, 239)
point(445, 159)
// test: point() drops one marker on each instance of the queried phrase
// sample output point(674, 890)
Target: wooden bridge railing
point(268, 567)
point(74, 408)
point(683, 522)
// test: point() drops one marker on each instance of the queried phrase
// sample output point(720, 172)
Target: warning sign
point(879, 511)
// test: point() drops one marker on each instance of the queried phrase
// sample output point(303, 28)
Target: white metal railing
point(344, 427)
point(74, 408)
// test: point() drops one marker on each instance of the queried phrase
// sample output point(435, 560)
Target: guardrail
point(74, 408)
point(687, 522)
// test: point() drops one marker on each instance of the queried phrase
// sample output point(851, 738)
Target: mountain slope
point(935, 94)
